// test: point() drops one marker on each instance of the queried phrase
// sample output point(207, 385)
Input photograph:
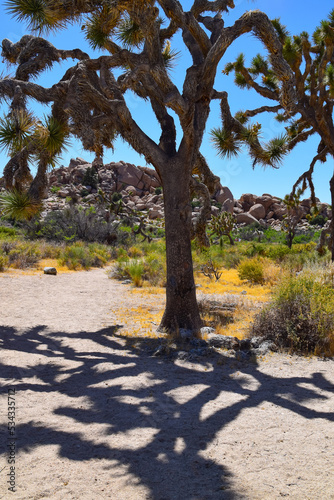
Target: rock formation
point(140, 189)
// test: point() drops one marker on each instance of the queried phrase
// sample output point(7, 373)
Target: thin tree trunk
point(39, 185)
point(181, 305)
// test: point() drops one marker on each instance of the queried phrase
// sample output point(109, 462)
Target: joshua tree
point(223, 224)
point(89, 101)
point(308, 110)
point(292, 217)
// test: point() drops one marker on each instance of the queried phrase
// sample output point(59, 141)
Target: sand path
point(99, 418)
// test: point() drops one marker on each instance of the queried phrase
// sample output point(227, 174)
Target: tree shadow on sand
point(169, 400)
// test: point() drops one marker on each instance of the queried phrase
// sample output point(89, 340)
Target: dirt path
point(99, 418)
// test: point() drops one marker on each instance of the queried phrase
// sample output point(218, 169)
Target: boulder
point(50, 270)
point(265, 200)
point(248, 199)
point(222, 194)
point(246, 218)
point(258, 211)
point(279, 210)
point(228, 206)
point(153, 213)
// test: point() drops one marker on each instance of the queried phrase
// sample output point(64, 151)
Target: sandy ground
point(97, 417)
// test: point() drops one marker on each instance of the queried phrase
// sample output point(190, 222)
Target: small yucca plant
point(18, 205)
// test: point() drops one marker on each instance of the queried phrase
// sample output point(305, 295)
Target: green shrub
point(231, 260)
point(135, 269)
point(251, 270)
point(158, 190)
point(23, 255)
point(79, 255)
point(300, 315)
point(116, 197)
point(152, 269)
point(90, 178)
point(76, 256)
point(74, 224)
point(3, 262)
point(278, 252)
point(318, 220)
point(7, 232)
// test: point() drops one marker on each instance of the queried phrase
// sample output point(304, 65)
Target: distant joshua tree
point(299, 77)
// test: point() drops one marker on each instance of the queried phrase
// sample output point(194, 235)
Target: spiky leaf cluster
point(16, 130)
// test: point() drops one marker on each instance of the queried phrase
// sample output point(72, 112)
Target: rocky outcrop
point(270, 210)
point(140, 189)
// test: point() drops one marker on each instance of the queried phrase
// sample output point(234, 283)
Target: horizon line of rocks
point(138, 187)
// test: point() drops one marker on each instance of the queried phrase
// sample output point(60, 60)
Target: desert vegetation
point(244, 289)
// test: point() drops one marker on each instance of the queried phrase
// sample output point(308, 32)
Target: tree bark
point(39, 185)
point(181, 306)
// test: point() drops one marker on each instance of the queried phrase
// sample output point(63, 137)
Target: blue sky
point(237, 174)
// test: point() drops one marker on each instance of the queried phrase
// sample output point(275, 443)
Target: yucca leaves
point(258, 65)
point(241, 117)
point(270, 81)
point(329, 79)
point(129, 33)
point(225, 142)
point(250, 134)
point(16, 130)
point(292, 51)
point(273, 152)
point(101, 26)
point(18, 205)
point(239, 62)
point(169, 55)
point(35, 13)
point(52, 135)
point(281, 30)
point(240, 80)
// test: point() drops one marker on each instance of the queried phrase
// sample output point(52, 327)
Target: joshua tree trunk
point(39, 185)
point(181, 305)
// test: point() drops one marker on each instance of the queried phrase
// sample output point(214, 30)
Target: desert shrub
point(220, 311)
point(252, 232)
point(300, 315)
point(116, 197)
point(135, 269)
point(251, 270)
point(158, 190)
point(90, 178)
point(155, 269)
point(134, 252)
point(151, 268)
point(277, 252)
point(100, 254)
point(83, 256)
point(23, 255)
point(231, 260)
point(272, 273)
point(74, 224)
point(76, 256)
point(7, 232)
point(318, 220)
point(256, 249)
point(3, 262)
point(270, 235)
